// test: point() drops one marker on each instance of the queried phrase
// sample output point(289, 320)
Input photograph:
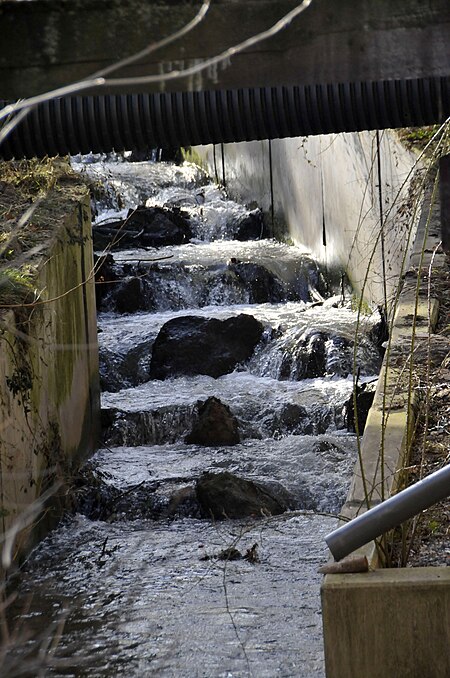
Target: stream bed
point(141, 580)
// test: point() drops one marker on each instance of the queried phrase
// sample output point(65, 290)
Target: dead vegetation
point(425, 540)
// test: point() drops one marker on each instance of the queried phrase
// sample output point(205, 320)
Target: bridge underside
point(45, 44)
point(338, 66)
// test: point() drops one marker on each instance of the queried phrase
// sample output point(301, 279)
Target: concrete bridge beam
point(45, 44)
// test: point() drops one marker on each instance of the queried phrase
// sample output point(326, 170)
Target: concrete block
point(387, 624)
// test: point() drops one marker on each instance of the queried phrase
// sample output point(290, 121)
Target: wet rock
point(183, 504)
point(339, 360)
point(119, 370)
point(149, 427)
point(216, 425)
point(95, 497)
point(292, 419)
point(314, 364)
point(191, 345)
point(263, 286)
point(224, 495)
point(295, 419)
point(251, 227)
point(129, 296)
point(365, 394)
point(309, 359)
point(380, 332)
point(140, 155)
point(229, 554)
point(106, 275)
point(144, 227)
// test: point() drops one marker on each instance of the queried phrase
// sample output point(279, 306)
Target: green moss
point(361, 305)
point(190, 155)
point(17, 285)
point(416, 138)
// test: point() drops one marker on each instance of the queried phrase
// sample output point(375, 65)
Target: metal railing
point(389, 514)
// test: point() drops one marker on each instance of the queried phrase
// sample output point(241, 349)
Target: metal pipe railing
point(389, 514)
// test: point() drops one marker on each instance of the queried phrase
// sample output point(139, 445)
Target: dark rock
point(339, 359)
point(144, 227)
point(183, 504)
point(216, 425)
point(315, 363)
point(119, 370)
point(129, 296)
point(106, 275)
point(229, 554)
point(224, 495)
point(98, 499)
point(380, 332)
point(251, 227)
point(140, 155)
point(365, 394)
point(292, 419)
point(148, 427)
point(308, 361)
point(262, 285)
point(192, 345)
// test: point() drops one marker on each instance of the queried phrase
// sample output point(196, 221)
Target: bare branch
point(99, 82)
point(157, 45)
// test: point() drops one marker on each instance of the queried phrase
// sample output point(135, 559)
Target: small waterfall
point(140, 565)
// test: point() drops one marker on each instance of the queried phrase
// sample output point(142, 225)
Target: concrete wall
point(323, 192)
point(44, 47)
point(49, 390)
point(393, 622)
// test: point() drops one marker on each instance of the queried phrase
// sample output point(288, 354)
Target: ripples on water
point(150, 597)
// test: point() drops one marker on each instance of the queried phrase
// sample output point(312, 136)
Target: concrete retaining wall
point(392, 622)
point(49, 390)
point(323, 192)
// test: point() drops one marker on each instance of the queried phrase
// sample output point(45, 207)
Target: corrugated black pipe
point(96, 124)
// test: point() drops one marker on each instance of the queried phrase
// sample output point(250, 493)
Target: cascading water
point(146, 581)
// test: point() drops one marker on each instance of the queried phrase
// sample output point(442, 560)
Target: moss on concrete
point(49, 392)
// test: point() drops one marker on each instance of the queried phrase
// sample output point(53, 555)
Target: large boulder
point(216, 425)
point(192, 345)
point(144, 227)
point(224, 495)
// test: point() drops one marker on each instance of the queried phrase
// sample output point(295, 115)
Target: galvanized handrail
point(390, 513)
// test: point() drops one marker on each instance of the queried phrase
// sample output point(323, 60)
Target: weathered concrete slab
point(45, 44)
point(387, 623)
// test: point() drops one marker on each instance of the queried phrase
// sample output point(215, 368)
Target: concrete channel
point(373, 622)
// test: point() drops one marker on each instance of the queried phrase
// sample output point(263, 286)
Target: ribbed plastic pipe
point(96, 124)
